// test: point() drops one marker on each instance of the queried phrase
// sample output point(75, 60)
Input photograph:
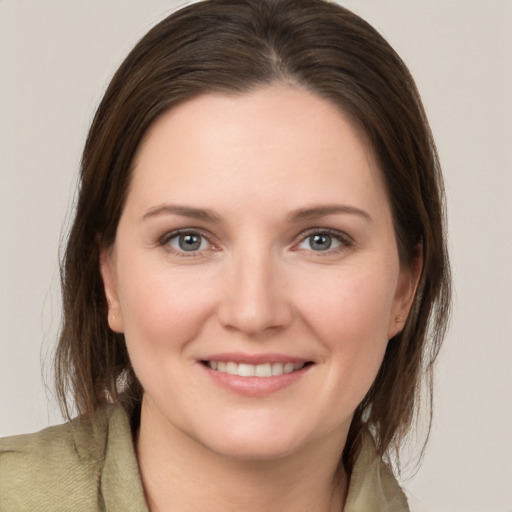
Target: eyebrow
point(300, 215)
point(183, 211)
point(316, 212)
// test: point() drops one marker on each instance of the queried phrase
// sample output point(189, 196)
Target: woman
point(256, 278)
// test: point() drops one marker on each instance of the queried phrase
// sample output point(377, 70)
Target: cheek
point(355, 304)
point(349, 314)
point(161, 306)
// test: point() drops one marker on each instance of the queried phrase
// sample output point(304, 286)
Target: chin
point(258, 440)
point(256, 448)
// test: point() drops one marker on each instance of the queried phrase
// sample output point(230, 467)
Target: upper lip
point(255, 359)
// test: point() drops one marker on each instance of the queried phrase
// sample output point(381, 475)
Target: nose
point(254, 301)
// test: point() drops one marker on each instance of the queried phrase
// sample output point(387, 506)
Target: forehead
point(269, 141)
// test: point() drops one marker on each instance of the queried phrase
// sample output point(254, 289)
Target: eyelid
point(165, 239)
point(346, 241)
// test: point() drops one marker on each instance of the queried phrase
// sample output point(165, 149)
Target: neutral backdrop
point(56, 58)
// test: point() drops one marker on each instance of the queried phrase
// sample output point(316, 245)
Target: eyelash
point(164, 241)
point(344, 240)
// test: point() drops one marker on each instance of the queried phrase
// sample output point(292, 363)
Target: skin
point(254, 286)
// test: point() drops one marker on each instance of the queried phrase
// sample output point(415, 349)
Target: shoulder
point(60, 464)
point(372, 484)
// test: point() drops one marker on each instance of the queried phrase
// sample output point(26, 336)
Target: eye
point(324, 241)
point(319, 242)
point(186, 241)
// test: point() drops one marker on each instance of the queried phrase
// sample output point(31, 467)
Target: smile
point(254, 370)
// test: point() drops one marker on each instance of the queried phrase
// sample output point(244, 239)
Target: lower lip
point(256, 386)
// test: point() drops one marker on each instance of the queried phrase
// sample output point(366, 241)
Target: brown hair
point(236, 46)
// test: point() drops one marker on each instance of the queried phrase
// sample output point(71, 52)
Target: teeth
point(263, 370)
point(277, 369)
point(288, 368)
point(252, 370)
point(232, 368)
point(246, 370)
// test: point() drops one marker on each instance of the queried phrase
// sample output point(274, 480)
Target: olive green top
point(82, 467)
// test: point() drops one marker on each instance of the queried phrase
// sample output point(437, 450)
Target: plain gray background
point(55, 60)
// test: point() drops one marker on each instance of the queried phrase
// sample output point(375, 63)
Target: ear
point(407, 285)
point(108, 274)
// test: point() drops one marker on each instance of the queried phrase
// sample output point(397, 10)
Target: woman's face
point(255, 272)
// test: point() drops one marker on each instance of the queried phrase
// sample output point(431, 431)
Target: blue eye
point(321, 241)
point(188, 242)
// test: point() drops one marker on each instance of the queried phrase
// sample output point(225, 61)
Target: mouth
point(255, 375)
point(263, 370)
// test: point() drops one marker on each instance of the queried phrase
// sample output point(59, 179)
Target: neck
point(180, 474)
